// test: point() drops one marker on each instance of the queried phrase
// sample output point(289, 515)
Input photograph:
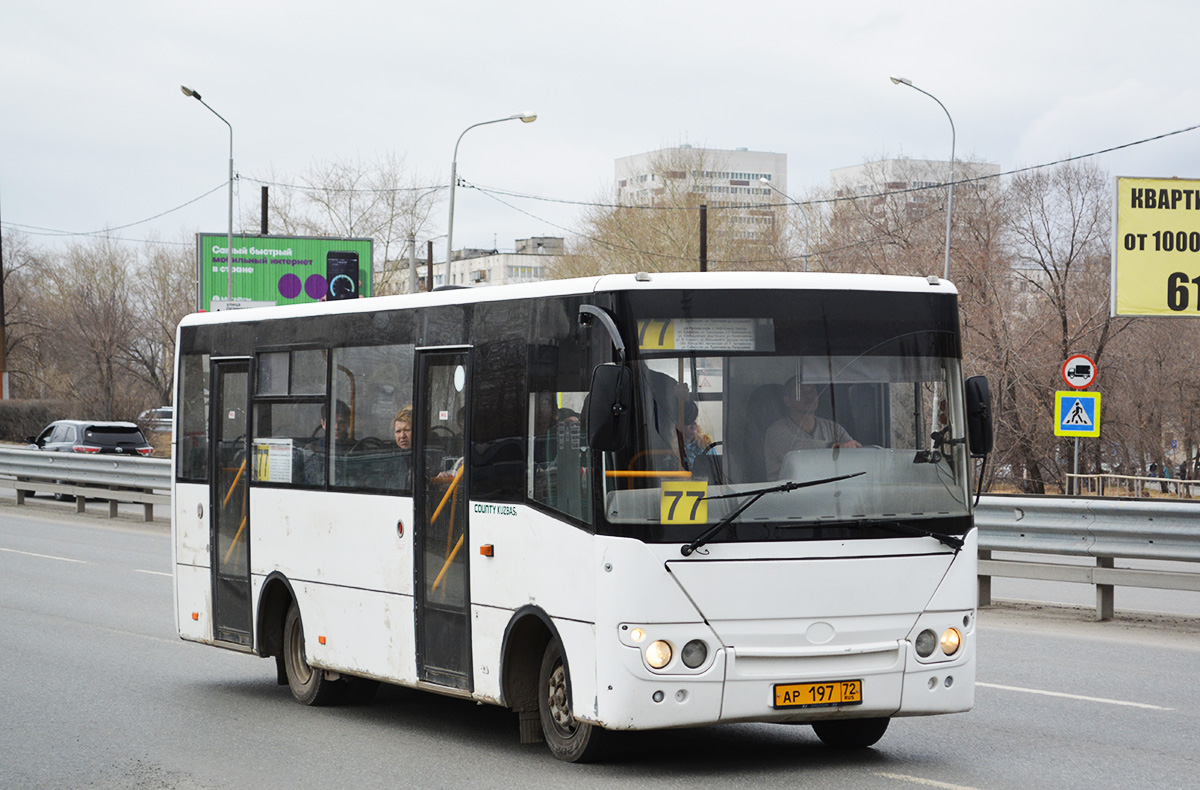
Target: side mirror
point(608, 406)
point(979, 415)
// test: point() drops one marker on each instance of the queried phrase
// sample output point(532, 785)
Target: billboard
point(279, 270)
point(1156, 247)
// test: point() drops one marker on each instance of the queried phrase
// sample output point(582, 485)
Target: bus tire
point(309, 686)
point(569, 740)
point(851, 733)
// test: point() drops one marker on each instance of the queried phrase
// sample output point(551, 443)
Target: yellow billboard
point(1156, 247)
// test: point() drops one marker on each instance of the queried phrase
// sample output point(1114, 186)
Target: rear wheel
point(569, 740)
point(851, 733)
point(309, 686)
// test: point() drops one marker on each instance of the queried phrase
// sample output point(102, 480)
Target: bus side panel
point(348, 559)
point(351, 540)
point(193, 596)
point(536, 560)
point(193, 581)
point(190, 525)
point(365, 632)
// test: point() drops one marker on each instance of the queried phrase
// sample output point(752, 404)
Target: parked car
point(158, 420)
point(92, 436)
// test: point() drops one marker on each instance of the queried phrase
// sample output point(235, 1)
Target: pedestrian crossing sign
point(1077, 414)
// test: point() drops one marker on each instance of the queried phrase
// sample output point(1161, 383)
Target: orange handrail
point(236, 538)
point(233, 485)
point(445, 497)
point(646, 473)
point(446, 565)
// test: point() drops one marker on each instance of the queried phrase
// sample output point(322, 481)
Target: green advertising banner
point(278, 270)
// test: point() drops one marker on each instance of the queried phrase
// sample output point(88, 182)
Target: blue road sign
point(1077, 414)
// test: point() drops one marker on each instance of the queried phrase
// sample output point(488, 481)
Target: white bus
point(629, 502)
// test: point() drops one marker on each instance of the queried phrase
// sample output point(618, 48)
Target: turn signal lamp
point(951, 641)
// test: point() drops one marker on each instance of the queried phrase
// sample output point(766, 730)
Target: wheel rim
point(559, 708)
point(300, 668)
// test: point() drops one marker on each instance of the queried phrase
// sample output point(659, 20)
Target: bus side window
point(375, 382)
point(560, 462)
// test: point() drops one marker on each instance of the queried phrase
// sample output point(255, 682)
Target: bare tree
point(25, 324)
point(96, 324)
point(164, 292)
point(382, 200)
point(663, 234)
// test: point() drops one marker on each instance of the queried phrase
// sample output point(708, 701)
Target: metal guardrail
point(1101, 529)
point(115, 478)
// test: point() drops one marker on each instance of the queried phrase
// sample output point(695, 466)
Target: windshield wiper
point(755, 495)
point(953, 541)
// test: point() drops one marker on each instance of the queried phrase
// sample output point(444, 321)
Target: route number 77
point(684, 502)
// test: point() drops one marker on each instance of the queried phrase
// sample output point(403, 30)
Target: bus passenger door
point(229, 541)
point(440, 495)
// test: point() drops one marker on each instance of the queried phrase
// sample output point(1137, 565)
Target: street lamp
point(229, 254)
point(767, 183)
point(523, 117)
point(950, 199)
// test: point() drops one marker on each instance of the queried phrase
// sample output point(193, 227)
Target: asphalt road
point(97, 691)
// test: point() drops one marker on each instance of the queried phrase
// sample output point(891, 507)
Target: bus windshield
point(726, 405)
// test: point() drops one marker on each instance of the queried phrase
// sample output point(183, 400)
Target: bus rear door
point(440, 492)
point(230, 506)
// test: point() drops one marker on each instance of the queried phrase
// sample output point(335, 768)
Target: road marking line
point(152, 573)
point(927, 782)
point(1073, 696)
point(44, 556)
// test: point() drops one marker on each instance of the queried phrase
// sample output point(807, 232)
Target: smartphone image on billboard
point(341, 271)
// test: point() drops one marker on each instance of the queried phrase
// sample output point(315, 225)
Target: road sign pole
point(1076, 478)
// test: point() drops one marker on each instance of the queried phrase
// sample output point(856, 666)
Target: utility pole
point(703, 237)
point(4, 394)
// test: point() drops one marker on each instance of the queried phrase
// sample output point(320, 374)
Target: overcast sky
point(95, 133)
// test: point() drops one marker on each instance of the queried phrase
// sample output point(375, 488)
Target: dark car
point(92, 436)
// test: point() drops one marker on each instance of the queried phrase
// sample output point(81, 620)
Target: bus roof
point(610, 283)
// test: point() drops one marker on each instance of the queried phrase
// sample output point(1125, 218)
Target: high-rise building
point(719, 178)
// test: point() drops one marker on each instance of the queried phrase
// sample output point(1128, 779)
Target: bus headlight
point(951, 641)
point(658, 654)
point(926, 642)
point(694, 653)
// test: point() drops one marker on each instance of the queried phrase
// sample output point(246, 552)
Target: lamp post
point(767, 183)
point(950, 198)
point(229, 253)
point(523, 117)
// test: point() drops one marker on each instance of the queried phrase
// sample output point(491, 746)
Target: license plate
point(818, 695)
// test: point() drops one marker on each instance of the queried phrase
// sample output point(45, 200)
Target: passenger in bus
point(314, 456)
point(800, 428)
point(402, 474)
point(402, 423)
point(696, 441)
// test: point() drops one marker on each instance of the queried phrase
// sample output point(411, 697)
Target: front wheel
point(851, 733)
point(569, 740)
point(309, 686)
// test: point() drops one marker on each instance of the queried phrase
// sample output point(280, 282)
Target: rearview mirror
point(608, 407)
point(979, 415)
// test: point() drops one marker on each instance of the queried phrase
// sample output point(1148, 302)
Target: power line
point(493, 192)
point(35, 230)
point(832, 200)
